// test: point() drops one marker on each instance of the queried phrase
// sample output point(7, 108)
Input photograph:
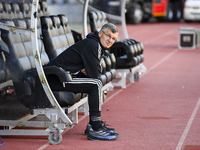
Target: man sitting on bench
point(83, 61)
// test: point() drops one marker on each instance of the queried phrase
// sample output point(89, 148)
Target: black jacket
point(83, 54)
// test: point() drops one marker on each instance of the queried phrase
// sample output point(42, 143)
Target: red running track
point(160, 112)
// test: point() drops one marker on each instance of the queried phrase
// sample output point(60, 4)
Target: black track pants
point(90, 86)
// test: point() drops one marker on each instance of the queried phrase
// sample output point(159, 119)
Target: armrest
point(63, 75)
point(122, 49)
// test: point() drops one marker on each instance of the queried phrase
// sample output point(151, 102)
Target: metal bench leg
point(74, 116)
point(123, 80)
point(131, 77)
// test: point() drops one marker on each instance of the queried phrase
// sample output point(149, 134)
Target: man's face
point(107, 38)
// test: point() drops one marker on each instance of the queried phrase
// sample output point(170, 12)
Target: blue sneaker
point(101, 134)
point(103, 127)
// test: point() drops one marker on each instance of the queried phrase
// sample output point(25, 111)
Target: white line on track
point(187, 128)
point(43, 146)
point(161, 61)
point(160, 36)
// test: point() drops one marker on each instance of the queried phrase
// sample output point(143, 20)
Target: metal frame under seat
point(47, 118)
point(132, 74)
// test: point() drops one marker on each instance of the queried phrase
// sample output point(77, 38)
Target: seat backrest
point(20, 46)
point(8, 10)
point(39, 14)
point(3, 14)
point(93, 21)
point(139, 46)
point(53, 42)
point(104, 18)
point(97, 20)
point(39, 11)
point(26, 10)
point(68, 33)
point(112, 59)
point(16, 10)
point(44, 8)
point(60, 31)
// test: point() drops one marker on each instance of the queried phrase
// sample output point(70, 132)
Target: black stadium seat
point(3, 14)
point(25, 9)
point(7, 8)
point(72, 36)
point(26, 82)
point(44, 9)
point(16, 10)
point(128, 52)
point(55, 37)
